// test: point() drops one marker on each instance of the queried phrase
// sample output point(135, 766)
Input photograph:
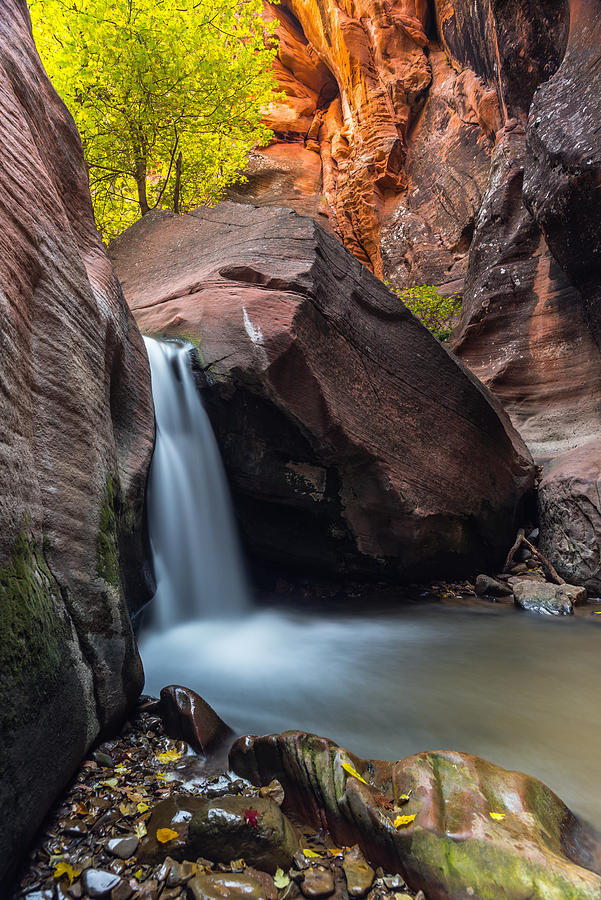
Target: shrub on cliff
point(436, 310)
point(167, 96)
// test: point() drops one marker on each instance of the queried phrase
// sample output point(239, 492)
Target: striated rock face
point(76, 432)
point(472, 829)
point(353, 440)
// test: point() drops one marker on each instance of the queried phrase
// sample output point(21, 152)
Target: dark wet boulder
point(355, 443)
point(186, 716)
point(454, 826)
point(76, 434)
point(222, 829)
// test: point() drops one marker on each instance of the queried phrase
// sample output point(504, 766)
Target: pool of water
point(520, 690)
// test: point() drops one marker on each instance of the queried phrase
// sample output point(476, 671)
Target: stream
point(520, 690)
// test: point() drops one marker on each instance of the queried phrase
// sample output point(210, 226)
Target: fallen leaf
point(121, 769)
point(110, 782)
point(280, 879)
point(161, 776)
point(403, 821)
point(139, 874)
point(498, 817)
point(311, 854)
point(63, 868)
point(127, 809)
point(404, 798)
point(384, 801)
point(169, 756)
point(140, 829)
point(238, 865)
point(348, 768)
point(251, 817)
point(164, 835)
point(143, 807)
point(335, 851)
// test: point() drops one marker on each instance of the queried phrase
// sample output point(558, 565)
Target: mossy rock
point(471, 828)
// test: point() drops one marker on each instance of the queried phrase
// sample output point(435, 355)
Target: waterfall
point(193, 537)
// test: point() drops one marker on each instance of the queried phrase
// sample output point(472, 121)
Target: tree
point(436, 310)
point(167, 95)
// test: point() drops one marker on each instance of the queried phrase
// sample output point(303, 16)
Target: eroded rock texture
point(472, 829)
point(76, 431)
point(354, 442)
point(456, 143)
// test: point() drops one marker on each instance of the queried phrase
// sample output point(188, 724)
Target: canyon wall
point(76, 435)
point(456, 143)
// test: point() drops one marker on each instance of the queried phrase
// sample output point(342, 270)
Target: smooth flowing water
point(522, 691)
point(197, 559)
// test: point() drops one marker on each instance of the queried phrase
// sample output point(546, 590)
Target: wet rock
point(173, 814)
point(549, 599)
point(123, 891)
point(486, 586)
point(98, 884)
point(319, 372)
point(252, 828)
point(359, 874)
point(479, 830)
point(123, 847)
point(520, 569)
point(273, 791)
point(317, 882)
point(77, 435)
point(393, 882)
point(186, 716)
point(225, 886)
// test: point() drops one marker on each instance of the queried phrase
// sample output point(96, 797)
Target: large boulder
point(355, 443)
point(454, 826)
point(76, 433)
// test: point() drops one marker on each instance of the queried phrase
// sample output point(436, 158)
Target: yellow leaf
point(311, 854)
point(498, 817)
point(169, 756)
point(164, 835)
point(143, 807)
point(110, 782)
point(161, 776)
point(597, 612)
point(140, 829)
point(63, 868)
point(138, 874)
point(403, 821)
point(335, 851)
point(403, 798)
point(280, 879)
point(121, 769)
point(127, 809)
point(348, 768)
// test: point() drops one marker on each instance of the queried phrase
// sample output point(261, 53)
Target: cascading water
point(515, 689)
point(197, 559)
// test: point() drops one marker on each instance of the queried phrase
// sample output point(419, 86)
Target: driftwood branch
point(522, 539)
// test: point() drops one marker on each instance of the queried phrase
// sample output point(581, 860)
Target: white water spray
point(195, 547)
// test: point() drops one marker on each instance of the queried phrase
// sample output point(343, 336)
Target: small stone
point(123, 847)
point(394, 882)
point(490, 587)
point(186, 716)
point(300, 860)
point(520, 569)
point(75, 828)
point(103, 759)
point(98, 883)
point(225, 887)
point(43, 894)
point(123, 891)
point(273, 791)
point(318, 882)
point(359, 874)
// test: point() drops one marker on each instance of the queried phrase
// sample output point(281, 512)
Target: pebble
point(359, 874)
point(123, 891)
point(103, 759)
point(394, 882)
point(98, 883)
point(318, 882)
point(123, 847)
point(486, 586)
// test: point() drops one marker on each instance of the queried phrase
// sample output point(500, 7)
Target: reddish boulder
point(454, 826)
point(354, 442)
point(76, 433)
point(187, 717)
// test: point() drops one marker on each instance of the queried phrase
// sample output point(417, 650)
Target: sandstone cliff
point(456, 143)
point(76, 433)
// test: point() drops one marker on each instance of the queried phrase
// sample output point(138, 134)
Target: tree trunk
point(141, 185)
point(178, 182)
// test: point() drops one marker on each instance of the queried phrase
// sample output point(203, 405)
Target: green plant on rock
point(435, 309)
point(168, 96)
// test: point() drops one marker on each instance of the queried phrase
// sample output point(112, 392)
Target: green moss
point(32, 634)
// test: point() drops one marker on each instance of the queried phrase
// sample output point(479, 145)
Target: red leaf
point(251, 817)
